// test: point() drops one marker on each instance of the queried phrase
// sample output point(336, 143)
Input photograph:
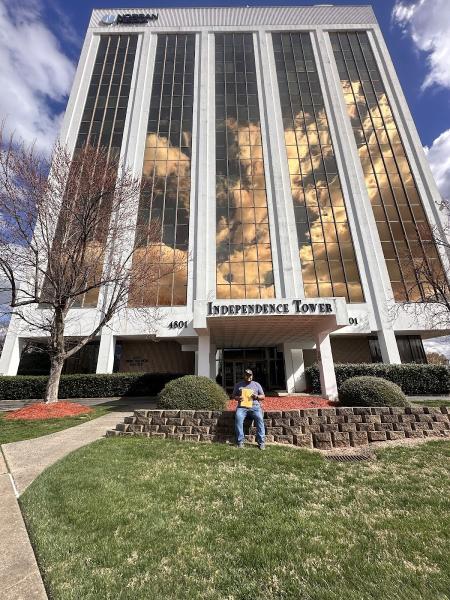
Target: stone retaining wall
point(322, 428)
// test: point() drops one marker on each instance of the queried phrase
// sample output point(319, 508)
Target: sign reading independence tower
point(270, 308)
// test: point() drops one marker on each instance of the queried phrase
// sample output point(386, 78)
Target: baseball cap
point(248, 372)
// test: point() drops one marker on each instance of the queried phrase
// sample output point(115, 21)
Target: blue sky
point(431, 109)
point(40, 41)
point(416, 31)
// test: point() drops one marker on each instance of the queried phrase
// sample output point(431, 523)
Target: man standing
point(254, 412)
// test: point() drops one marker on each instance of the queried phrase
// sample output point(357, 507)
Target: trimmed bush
point(193, 392)
point(23, 387)
point(414, 379)
point(371, 391)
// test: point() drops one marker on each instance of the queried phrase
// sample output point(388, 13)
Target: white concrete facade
point(292, 330)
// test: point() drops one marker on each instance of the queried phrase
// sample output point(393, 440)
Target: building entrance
point(267, 365)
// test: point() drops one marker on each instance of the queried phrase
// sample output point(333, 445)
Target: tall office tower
point(281, 162)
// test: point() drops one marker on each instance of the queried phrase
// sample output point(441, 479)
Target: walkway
point(27, 459)
point(19, 574)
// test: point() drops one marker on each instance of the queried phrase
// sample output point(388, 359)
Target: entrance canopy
point(254, 323)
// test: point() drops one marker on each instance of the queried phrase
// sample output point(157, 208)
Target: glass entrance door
point(266, 363)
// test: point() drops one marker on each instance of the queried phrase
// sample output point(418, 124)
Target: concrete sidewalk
point(19, 574)
point(27, 459)
point(20, 578)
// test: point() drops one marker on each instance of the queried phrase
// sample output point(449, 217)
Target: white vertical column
point(10, 359)
point(328, 383)
point(132, 157)
point(288, 368)
point(373, 268)
point(210, 180)
point(295, 369)
point(389, 347)
point(298, 370)
point(193, 198)
point(77, 99)
point(271, 192)
point(284, 228)
point(204, 253)
point(204, 359)
point(212, 362)
point(345, 174)
point(105, 360)
point(135, 132)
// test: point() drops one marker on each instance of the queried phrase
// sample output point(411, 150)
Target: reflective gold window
point(166, 172)
point(327, 255)
point(103, 119)
point(243, 251)
point(106, 104)
point(402, 225)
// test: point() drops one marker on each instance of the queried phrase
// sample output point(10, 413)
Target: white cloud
point(441, 345)
point(428, 24)
point(439, 158)
point(35, 74)
point(402, 12)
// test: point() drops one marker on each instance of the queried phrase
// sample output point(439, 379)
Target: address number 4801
point(178, 324)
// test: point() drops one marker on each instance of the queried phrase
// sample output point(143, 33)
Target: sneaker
point(241, 445)
point(262, 447)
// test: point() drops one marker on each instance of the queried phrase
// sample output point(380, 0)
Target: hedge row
point(414, 379)
point(23, 387)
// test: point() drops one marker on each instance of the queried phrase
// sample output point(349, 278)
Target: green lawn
point(15, 431)
point(433, 402)
point(163, 520)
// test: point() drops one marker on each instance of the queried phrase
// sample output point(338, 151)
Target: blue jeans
point(254, 413)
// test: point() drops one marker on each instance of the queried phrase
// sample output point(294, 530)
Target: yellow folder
point(247, 397)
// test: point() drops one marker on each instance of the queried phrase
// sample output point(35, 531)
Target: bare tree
point(429, 288)
point(69, 239)
point(436, 358)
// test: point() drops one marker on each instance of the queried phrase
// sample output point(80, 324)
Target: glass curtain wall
point(107, 100)
point(244, 257)
point(327, 255)
point(402, 225)
point(165, 195)
point(103, 119)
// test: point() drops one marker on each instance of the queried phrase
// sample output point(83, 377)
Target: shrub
point(371, 391)
point(193, 392)
point(23, 387)
point(414, 379)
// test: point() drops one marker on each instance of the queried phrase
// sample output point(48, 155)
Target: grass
point(432, 402)
point(15, 431)
point(157, 519)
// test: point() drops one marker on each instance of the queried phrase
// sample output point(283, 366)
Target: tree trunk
point(57, 356)
point(51, 392)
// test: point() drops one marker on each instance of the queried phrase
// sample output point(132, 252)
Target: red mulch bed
point(289, 403)
point(39, 411)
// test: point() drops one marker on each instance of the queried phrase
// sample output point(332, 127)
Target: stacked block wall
point(322, 428)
